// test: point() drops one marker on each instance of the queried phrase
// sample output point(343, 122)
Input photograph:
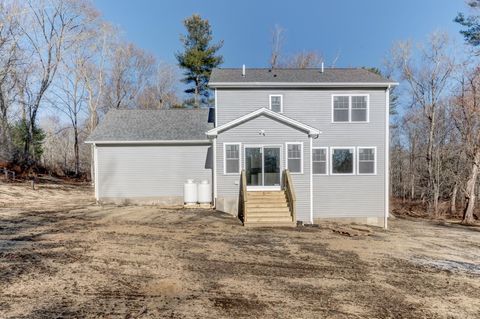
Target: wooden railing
point(242, 211)
point(290, 193)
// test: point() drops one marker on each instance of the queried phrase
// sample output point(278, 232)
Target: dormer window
point(276, 103)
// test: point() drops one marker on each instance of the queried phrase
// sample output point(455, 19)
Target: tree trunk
point(76, 151)
point(431, 178)
point(453, 201)
point(470, 192)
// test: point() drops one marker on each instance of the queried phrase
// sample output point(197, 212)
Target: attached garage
point(146, 156)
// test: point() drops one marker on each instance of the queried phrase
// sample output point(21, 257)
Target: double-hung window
point(319, 161)
point(231, 158)
point(367, 161)
point(342, 160)
point(276, 103)
point(350, 108)
point(295, 158)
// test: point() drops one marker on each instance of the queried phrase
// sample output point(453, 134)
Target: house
point(286, 145)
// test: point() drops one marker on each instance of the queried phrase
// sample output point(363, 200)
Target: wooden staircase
point(268, 209)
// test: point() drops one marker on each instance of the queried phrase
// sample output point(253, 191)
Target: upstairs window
point(319, 161)
point(295, 158)
point(367, 161)
point(276, 103)
point(232, 158)
point(350, 108)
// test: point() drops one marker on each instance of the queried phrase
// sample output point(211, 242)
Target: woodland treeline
point(62, 67)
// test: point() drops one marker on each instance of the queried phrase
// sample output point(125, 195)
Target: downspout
point(387, 157)
point(310, 138)
point(95, 165)
point(214, 145)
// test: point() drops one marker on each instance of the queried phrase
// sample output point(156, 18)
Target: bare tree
point(466, 114)
point(50, 29)
point(427, 78)
point(277, 45)
point(131, 71)
point(304, 60)
point(9, 59)
point(161, 93)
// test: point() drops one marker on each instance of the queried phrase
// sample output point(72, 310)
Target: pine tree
point(199, 58)
point(472, 23)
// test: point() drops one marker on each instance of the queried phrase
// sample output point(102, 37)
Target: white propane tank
point(190, 192)
point(204, 192)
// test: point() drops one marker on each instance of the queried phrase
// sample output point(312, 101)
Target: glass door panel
point(271, 166)
point(253, 166)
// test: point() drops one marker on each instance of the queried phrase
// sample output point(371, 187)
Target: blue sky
point(361, 32)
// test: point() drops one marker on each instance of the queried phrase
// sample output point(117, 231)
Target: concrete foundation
point(228, 205)
point(372, 221)
point(164, 201)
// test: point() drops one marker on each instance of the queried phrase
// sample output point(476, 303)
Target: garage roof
point(124, 126)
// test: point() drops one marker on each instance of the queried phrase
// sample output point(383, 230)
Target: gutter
point(299, 84)
point(156, 142)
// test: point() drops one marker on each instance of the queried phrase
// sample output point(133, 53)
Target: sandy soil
point(62, 256)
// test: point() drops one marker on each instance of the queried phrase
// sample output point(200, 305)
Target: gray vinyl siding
point(276, 133)
point(150, 171)
point(334, 196)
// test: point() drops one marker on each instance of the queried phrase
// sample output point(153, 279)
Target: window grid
point(232, 158)
point(295, 158)
point(367, 161)
point(352, 108)
point(276, 103)
point(319, 161)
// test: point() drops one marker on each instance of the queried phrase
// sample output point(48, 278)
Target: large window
point(231, 158)
point(350, 108)
point(319, 160)
point(342, 160)
point(276, 103)
point(367, 164)
point(295, 157)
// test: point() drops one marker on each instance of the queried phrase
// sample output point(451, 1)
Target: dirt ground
point(63, 256)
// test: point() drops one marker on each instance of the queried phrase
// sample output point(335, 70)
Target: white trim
point(331, 160)
point(350, 108)
point(166, 142)
point(326, 159)
point(270, 102)
point(374, 163)
point(216, 109)
point(299, 84)
point(225, 158)
point(311, 181)
point(387, 156)
point(263, 111)
point(95, 165)
point(301, 156)
point(214, 172)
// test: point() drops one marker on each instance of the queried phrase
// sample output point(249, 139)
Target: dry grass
point(63, 256)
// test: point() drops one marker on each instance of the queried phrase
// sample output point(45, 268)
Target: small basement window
point(231, 158)
point(342, 160)
point(295, 157)
point(319, 161)
point(367, 163)
point(276, 103)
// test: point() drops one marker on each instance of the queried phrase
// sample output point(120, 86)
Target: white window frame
point(374, 162)
point(225, 158)
point(301, 156)
point(350, 108)
point(270, 102)
point(354, 168)
point(326, 161)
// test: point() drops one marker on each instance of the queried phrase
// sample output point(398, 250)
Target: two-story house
point(285, 145)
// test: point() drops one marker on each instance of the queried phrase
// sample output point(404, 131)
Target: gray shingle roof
point(152, 125)
point(313, 75)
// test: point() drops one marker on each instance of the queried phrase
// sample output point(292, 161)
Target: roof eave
point(299, 84)
point(159, 142)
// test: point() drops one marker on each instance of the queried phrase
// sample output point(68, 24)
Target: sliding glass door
point(262, 167)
